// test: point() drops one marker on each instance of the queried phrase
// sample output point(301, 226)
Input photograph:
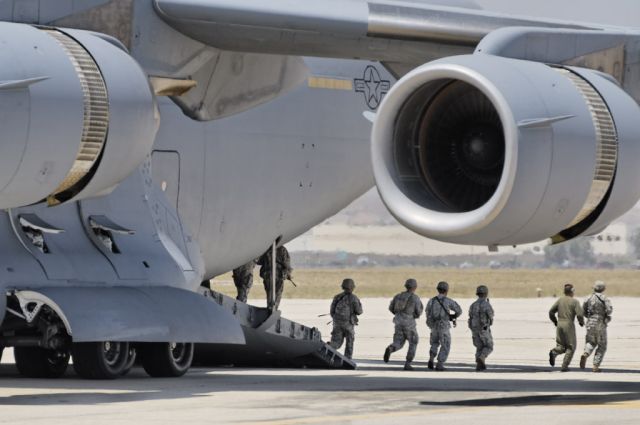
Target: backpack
point(343, 311)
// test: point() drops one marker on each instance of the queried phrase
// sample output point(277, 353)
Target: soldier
point(480, 321)
point(344, 311)
point(597, 309)
point(567, 308)
point(243, 279)
point(283, 272)
point(406, 308)
point(439, 318)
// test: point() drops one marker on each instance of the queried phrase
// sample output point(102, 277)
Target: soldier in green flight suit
point(567, 309)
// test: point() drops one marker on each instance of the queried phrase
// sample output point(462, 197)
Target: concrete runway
point(520, 387)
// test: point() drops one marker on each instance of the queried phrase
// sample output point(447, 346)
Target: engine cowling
point(77, 115)
point(486, 150)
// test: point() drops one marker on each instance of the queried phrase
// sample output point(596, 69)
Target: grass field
point(385, 282)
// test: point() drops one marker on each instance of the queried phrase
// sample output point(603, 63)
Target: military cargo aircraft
point(148, 145)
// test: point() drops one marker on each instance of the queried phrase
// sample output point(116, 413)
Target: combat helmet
point(442, 286)
point(348, 284)
point(411, 284)
point(599, 286)
point(482, 290)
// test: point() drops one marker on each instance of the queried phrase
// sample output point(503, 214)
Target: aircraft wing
point(382, 30)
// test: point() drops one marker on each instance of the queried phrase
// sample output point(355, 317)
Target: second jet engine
point(479, 149)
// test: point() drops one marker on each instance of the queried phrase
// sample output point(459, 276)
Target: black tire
point(166, 360)
point(100, 360)
point(36, 362)
point(131, 360)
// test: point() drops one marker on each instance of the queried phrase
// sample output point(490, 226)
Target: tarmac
point(519, 388)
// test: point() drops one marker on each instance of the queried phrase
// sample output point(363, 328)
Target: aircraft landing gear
point(101, 360)
point(36, 362)
point(166, 360)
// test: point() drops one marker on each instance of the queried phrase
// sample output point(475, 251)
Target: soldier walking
point(283, 272)
point(480, 321)
point(243, 279)
point(597, 309)
point(441, 312)
point(567, 309)
point(345, 309)
point(406, 308)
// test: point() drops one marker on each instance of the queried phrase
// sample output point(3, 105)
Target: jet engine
point(485, 150)
point(77, 114)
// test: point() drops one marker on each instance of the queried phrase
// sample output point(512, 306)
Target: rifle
point(291, 280)
point(452, 317)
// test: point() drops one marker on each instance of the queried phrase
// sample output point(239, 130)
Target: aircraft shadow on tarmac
point(542, 400)
point(379, 365)
point(561, 389)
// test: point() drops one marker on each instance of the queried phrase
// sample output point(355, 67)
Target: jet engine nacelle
point(485, 150)
point(77, 115)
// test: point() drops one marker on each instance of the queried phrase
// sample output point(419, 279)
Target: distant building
point(614, 240)
point(388, 240)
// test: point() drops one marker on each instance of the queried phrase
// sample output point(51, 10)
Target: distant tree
point(578, 251)
point(555, 255)
point(635, 242)
point(581, 251)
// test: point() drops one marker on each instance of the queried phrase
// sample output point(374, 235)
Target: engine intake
point(486, 150)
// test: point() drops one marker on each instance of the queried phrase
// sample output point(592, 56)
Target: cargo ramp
point(271, 341)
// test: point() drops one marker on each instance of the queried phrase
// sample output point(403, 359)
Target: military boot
point(583, 361)
point(552, 358)
point(430, 364)
point(596, 369)
point(440, 367)
point(387, 354)
point(480, 366)
point(407, 366)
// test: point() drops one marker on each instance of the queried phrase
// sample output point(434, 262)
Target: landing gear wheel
point(36, 362)
point(100, 360)
point(166, 360)
point(131, 360)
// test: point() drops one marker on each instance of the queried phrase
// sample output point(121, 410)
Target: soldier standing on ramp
point(439, 317)
point(243, 279)
point(406, 308)
point(480, 321)
point(345, 309)
point(283, 272)
point(597, 309)
point(567, 308)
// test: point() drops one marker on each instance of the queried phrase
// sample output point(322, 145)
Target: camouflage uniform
point(406, 308)
point(345, 309)
point(440, 324)
point(480, 321)
point(243, 279)
point(567, 308)
point(283, 271)
point(598, 310)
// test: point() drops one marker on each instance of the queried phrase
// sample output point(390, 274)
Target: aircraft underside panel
point(141, 314)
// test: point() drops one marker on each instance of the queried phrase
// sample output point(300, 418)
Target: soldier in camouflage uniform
point(283, 272)
point(567, 308)
point(597, 309)
point(243, 279)
point(441, 312)
point(406, 308)
point(344, 311)
point(480, 321)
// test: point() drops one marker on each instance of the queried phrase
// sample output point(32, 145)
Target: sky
point(611, 12)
